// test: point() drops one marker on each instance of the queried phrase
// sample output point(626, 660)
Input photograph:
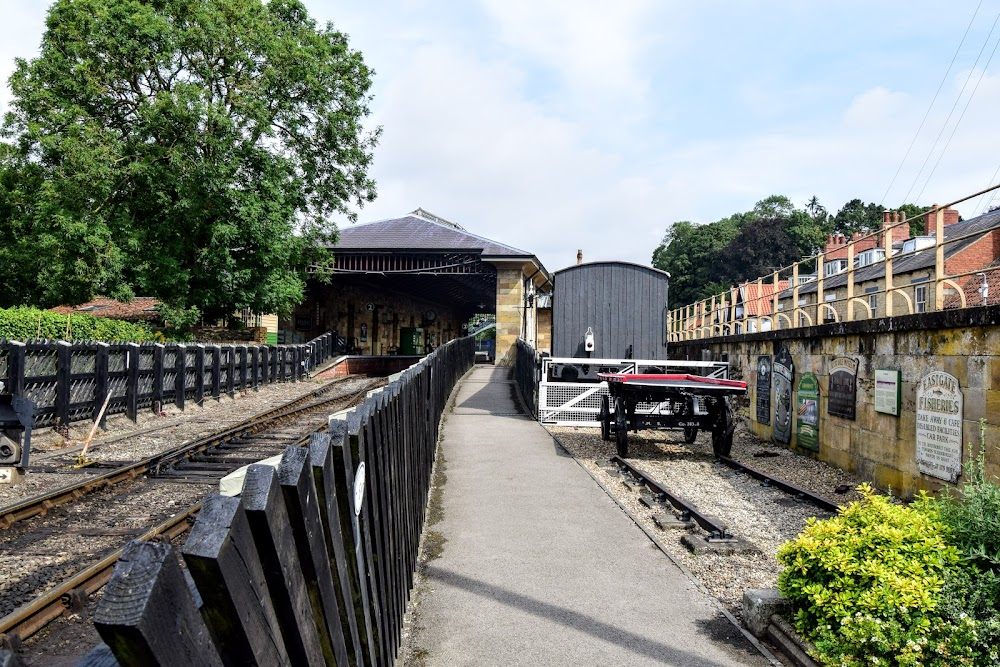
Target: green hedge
point(30, 323)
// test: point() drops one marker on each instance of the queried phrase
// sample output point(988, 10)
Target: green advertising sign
point(807, 424)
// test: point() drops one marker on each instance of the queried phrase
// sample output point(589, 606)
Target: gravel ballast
point(761, 517)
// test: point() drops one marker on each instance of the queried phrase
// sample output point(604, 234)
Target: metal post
point(939, 270)
point(849, 311)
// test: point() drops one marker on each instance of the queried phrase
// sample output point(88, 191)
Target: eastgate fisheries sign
point(939, 426)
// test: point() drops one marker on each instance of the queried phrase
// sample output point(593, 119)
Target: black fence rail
point(527, 369)
point(69, 381)
point(313, 564)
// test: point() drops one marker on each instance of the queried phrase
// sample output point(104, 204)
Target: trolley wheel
point(690, 433)
point(605, 419)
point(722, 431)
point(621, 428)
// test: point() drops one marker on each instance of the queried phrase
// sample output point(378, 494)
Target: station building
point(407, 285)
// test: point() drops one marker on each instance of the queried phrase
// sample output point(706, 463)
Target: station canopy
point(427, 257)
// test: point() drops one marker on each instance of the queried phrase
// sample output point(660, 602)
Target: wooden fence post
point(158, 350)
point(231, 370)
point(132, 385)
point(237, 608)
point(276, 360)
point(244, 379)
point(355, 554)
point(216, 372)
point(295, 478)
point(147, 615)
point(265, 510)
point(14, 382)
point(199, 367)
point(101, 385)
point(64, 380)
point(358, 448)
point(325, 483)
point(255, 367)
point(180, 381)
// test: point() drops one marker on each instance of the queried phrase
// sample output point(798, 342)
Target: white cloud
point(875, 107)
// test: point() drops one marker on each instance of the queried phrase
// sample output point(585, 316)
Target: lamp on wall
point(529, 297)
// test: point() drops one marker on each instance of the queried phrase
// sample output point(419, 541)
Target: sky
point(553, 126)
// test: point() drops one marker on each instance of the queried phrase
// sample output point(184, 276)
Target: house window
point(873, 303)
point(920, 298)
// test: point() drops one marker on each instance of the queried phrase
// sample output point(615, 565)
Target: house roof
point(759, 301)
point(922, 259)
point(973, 297)
point(420, 231)
point(139, 309)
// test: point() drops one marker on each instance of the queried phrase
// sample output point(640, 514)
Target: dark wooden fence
point(526, 372)
point(69, 381)
point(313, 564)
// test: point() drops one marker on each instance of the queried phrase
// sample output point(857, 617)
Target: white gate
point(578, 402)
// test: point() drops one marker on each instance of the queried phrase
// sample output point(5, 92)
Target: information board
point(807, 413)
point(939, 426)
point(764, 389)
point(784, 374)
point(843, 395)
point(887, 392)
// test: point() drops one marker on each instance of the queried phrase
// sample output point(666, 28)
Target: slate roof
point(922, 259)
point(413, 232)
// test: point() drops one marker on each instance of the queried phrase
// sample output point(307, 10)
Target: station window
point(873, 303)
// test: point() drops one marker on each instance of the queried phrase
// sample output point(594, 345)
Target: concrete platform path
point(541, 567)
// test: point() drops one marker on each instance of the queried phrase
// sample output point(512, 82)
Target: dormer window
point(834, 266)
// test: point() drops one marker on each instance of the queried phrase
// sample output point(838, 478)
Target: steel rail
point(787, 487)
point(715, 529)
point(43, 503)
point(35, 615)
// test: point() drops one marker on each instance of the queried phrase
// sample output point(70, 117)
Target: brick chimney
point(930, 222)
point(579, 256)
point(900, 232)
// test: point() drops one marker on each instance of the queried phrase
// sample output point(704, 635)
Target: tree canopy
point(190, 150)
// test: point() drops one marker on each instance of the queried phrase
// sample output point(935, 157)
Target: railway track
point(60, 547)
point(716, 529)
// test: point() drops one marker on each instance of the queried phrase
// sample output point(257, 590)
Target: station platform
point(540, 567)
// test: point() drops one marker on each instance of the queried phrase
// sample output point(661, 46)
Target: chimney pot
point(579, 256)
point(885, 217)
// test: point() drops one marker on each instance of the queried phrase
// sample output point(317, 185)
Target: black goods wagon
point(622, 305)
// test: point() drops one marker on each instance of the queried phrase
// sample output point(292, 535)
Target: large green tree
point(192, 150)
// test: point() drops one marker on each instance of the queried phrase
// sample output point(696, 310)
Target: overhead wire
point(931, 105)
point(954, 106)
point(954, 129)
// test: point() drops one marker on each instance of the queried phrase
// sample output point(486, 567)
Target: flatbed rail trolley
point(689, 402)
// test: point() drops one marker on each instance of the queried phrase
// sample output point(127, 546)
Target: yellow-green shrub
point(865, 586)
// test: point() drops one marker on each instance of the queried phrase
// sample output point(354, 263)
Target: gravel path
point(763, 517)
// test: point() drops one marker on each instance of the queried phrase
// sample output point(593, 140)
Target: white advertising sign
point(939, 426)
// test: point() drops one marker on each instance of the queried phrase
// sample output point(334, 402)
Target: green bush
point(972, 518)
point(866, 586)
point(29, 323)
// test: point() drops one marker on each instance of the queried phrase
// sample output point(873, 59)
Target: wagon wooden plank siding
point(625, 305)
point(314, 563)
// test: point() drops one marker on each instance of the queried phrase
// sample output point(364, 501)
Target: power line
point(959, 122)
point(958, 99)
point(984, 201)
point(931, 106)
